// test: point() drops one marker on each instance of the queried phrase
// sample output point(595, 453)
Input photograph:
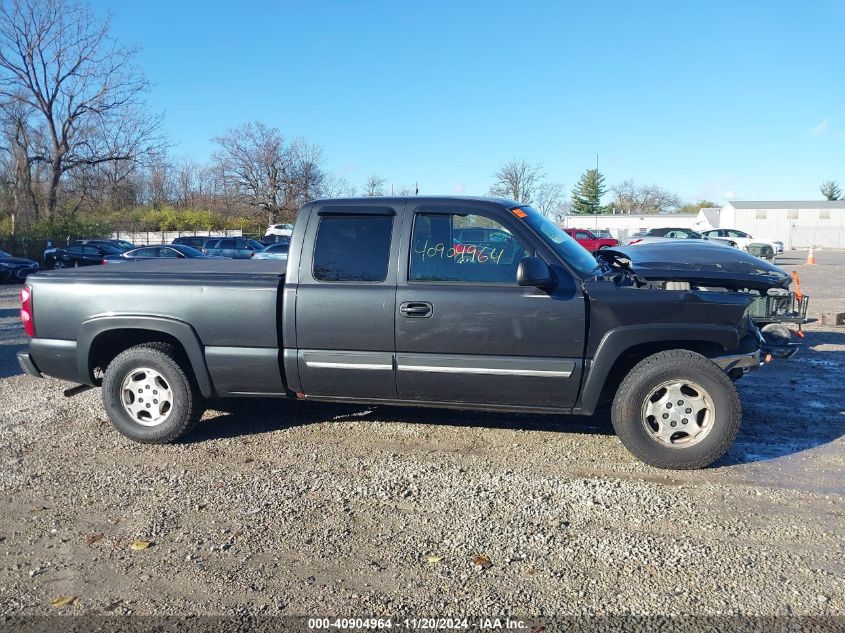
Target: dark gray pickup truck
point(472, 303)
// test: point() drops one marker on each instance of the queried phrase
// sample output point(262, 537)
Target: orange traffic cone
point(811, 259)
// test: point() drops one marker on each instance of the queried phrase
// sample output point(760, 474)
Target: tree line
point(527, 183)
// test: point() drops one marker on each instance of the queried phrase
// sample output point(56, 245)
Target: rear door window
point(352, 248)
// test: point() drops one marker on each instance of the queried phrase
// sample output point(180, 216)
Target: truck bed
point(232, 306)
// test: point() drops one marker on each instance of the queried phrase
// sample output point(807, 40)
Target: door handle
point(416, 309)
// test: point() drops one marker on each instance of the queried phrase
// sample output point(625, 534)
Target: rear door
point(466, 332)
point(346, 301)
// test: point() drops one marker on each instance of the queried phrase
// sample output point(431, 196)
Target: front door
point(466, 332)
point(345, 302)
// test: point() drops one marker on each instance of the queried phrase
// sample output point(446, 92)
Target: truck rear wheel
point(677, 409)
point(148, 395)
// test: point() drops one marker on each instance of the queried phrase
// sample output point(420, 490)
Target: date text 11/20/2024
point(433, 623)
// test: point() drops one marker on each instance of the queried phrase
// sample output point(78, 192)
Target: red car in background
point(588, 239)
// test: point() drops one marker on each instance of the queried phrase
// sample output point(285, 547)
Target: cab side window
point(352, 248)
point(463, 248)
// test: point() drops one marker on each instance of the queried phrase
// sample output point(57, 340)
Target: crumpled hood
point(704, 263)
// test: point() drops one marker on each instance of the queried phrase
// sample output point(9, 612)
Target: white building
point(798, 224)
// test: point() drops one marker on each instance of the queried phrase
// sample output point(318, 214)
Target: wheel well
point(634, 354)
point(110, 343)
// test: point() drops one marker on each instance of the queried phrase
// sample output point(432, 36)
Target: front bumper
point(739, 362)
point(27, 365)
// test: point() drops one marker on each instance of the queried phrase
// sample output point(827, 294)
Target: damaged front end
point(717, 285)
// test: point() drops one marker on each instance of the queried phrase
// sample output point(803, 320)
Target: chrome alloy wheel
point(146, 396)
point(678, 413)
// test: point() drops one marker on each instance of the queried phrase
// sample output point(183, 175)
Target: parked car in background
point(673, 233)
point(233, 247)
point(15, 268)
point(590, 240)
point(280, 229)
point(276, 239)
point(171, 251)
point(121, 244)
point(79, 255)
point(275, 251)
point(195, 241)
point(742, 239)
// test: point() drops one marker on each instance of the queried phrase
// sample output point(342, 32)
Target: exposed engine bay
point(700, 266)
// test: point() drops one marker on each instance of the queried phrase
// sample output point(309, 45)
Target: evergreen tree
point(830, 190)
point(586, 196)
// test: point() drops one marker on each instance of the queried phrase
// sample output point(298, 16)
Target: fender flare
point(618, 340)
point(181, 331)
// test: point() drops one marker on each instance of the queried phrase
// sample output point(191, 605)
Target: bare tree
point(336, 187)
point(517, 180)
point(267, 173)
point(548, 199)
point(21, 147)
point(59, 60)
point(160, 181)
point(632, 198)
point(374, 186)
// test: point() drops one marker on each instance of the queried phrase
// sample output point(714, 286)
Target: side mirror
point(533, 271)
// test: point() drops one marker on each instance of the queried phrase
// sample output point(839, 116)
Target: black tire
point(652, 372)
point(60, 263)
point(167, 360)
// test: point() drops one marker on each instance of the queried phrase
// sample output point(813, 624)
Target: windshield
point(111, 250)
point(575, 255)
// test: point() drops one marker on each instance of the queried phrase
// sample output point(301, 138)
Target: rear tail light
point(26, 311)
point(103, 262)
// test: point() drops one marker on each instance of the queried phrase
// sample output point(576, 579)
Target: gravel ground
point(303, 508)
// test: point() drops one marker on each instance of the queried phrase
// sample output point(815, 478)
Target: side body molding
point(179, 330)
point(615, 342)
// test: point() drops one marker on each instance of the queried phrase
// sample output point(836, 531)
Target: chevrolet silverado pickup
point(474, 303)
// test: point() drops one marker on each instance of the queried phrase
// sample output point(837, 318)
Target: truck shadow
point(254, 417)
point(788, 407)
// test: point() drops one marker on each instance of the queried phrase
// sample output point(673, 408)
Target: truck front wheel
point(677, 409)
point(148, 395)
